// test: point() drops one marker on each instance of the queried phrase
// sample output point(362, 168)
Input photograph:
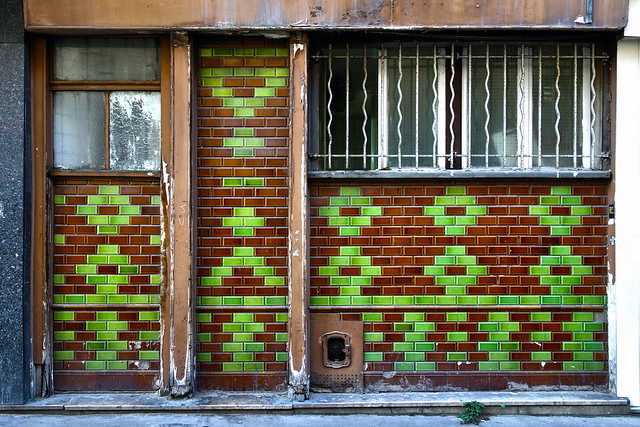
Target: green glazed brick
point(221, 271)
point(231, 300)
point(117, 259)
point(340, 300)
point(107, 229)
point(477, 270)
point(541, 336)
point(117, 345)
point(403, 327)
point(336, 221)
point(580, 210)
point(403, 300)
point(425, 366)
point(253, 300)
point(465, 200)
point(61, 200)
point(276, 301)
point(371, 356)
point(414, 336)
point(434, 270)
point(155, 279)
point(254, 346)
point(328, 271)
point(98, 219)
point(361, 260)
point(541, 356)
point(253, 261)
point(232, 182)
point(414, 317)
point(561, 290)
point(467, 300)
point(560, 231)
point(87, 210)
point(149, 315)
point(583, 317)
point(572, 366)
point(96, 279)
point(550, 220)
point(243, 112)
point(466, 260)
point(560, 191)
point(97, 200)
point(402, 346)
point(243, 357)
point(424, 300)
point(222, 72)
point(106, 355)
point(457, 336)
point(444, 200)
point(488, 326)
point(254, 142)
point(203, 317)
point(232, 366)
point(63, 335)
point(63, 355)
point(243, 132)
point(434, 210)
point(456, 317)
point(58, 239)
point(529, 300)
point(155, 200)
point(317, 300)
point(456, 191)
point(243, 72)
point(232, 142)
point(350, 191)
point(106, 335)
point(445, 300)
point(109, 189)
point(594, 346)
point(583, 336)
point(403, 366)
point(58, 299)
point(487, 346)
point(213, 82)
point(488, 366)
point(571, 346)
point(349, 291)
point(117, 326)
point(572, 326)
point(476, 210)
point(118, 200)
point(253, 366)
point(593, 299)
point(275, 82)
point(201, 337)
point(242, 231)
point(107, 315)
point(222, 51)
point(242, 337)
point(282, 72)
point(339, 260)
point(360, 201)
point(570, 220)
point(243, 51)
point(265, 72)
point(349, 231)
point(509, 346)
point(549, 200)
point(274, 281)
point(425, 346)
point(549, 280)
point(487, 299)
point(282, 337)
point(264, 92)
point(117, 279)
point(149, 355)
point(499, 317)
point(203, 357)
point(361, 281)
point(360, 221)
point(243, 152)
point(539, 270)
point(96, 326)
point(509, 366)
point(538, 210)
point(445, 280)
point(371, 211)
point(465, 220)
point(593, 366)
point(221, 92)
point(254, 182)
point(551, 300)
point(581, 270)
point(455, 250)
point(128, 269)
point(263, 271)
point(571, 280)
point(92, 365)
point(499, 336)
point(498, 355)
point(444, 220)
point(445, 260)
point(243, 251)
point(372, 317)
point(339, 201)
point(74, 299)
point(232, 222)
point(425, 327)
point(232, 346)
point(96, 299)
point(282, 356)
point(454, 231)
point(373, 337)
point(560, 250)
point(571, 200)
point(63, 315)
point(593, 326)
point(282, 51)
point(456, 356)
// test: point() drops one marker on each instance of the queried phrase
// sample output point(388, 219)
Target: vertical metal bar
point(575, 106)
point(540, 106)
point(383, 109)
point(364, 109)
point(348, 59)
point(588, 19)
point(504, 105)
point(592, 143)
point(398, 130)
point(329, 106)
point(522, 109)
point(486, 110)
point(417, 123)
point(557, 126)
point(434, 106)
point(469, 101)
point(451, 109)
point(107, 133)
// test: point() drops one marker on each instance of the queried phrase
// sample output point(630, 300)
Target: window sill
point(103, 173)
point(463, 174)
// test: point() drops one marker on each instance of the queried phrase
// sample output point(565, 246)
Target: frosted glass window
point(134, 130)
point(78, 130)
point(106, 59)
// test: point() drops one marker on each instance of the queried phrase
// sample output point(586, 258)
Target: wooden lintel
point(225, 15)
point(298, 223)
point(177, 307)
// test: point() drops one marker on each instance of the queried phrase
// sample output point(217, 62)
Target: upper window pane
point(106, 59)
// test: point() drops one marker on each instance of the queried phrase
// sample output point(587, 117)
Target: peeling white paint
point(389, 374)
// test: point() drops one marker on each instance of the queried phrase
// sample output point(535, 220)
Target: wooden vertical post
point(298, 223)
point(177, 295)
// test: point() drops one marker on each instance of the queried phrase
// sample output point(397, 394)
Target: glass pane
point(499, 100)
point(134, 130)
point(78, 130)
point(425, 96)
point(106, 59)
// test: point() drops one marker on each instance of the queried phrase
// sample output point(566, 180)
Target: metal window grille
point(411, 106)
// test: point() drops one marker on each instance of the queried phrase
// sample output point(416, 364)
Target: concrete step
point(439, 403)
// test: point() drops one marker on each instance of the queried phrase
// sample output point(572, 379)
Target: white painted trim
point(625, 299)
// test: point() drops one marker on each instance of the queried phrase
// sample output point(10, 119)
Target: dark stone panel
point(13, 245)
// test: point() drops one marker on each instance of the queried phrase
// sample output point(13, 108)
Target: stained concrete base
point(496, 403)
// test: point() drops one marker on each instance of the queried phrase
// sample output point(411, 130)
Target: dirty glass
point(106, 59)
point(78, 130)
point(134, 130)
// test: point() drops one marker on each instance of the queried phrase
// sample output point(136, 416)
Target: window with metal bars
point(437, 106)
